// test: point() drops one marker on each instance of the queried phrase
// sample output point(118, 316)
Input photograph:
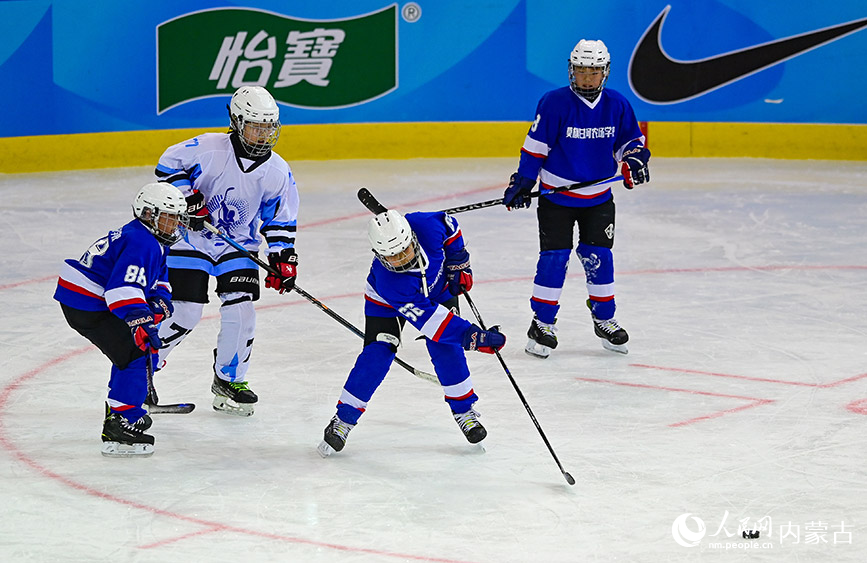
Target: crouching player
point(421, 267)
point(115, 295)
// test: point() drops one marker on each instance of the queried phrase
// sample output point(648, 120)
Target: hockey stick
point(152, 401)
point(566, 475)
point(324, 308)
point(493, 202)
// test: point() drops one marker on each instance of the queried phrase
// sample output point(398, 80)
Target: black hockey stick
point(493, 202)
point(152, 401)
point(324, 308)
point(566, 475)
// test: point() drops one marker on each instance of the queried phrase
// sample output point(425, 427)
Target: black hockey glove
point(634, 166)
point(517, 195)
point(197, 210)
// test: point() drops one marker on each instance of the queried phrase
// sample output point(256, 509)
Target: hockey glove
point(286, 263)
point(144, 329)
point(487, 341)
point(161, 307)
point(459, 276)
point(634, 166)
point(197, 210)
point(517, 195)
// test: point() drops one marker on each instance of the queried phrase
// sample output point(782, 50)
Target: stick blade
point(370, 202)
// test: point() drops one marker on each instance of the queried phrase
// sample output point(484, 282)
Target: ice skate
point(542, 338)
point(334, 437)
point(122, 439)
point(143, 424)
point(470, 426)
point(612, 335)
point(233, 397)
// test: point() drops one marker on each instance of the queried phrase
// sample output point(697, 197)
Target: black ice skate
point(613, 336)
point(470, 426)
point(122, 439)
point(142, 424)
point(334, 437)
point(233, 397)
point(542, 338)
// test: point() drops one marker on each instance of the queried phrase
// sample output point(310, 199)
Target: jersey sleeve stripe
point(453, 237)
point(123, 296)
point(437, 323)
point(535, 148)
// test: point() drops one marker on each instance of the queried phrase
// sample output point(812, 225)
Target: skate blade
point(536, 350)
point(117, 449)
point(324, 449)
point(619, 348)
point(228, 406)
point(479, 447)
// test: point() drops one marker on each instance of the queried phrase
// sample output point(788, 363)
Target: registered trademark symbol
point(411, 12)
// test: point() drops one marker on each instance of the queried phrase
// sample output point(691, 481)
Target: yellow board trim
point(435, 140)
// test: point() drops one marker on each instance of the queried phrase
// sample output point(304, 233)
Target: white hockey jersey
point(246, 198)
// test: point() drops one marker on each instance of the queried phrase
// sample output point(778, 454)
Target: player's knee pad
point(237, 319)
point(598, 263)
point(390, 339)
point(552, 266)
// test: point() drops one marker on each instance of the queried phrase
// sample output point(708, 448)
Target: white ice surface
point(742, 283)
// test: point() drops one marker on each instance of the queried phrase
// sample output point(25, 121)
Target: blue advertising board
point(88, 67)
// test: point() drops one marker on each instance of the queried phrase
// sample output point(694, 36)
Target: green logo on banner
point(304, 63)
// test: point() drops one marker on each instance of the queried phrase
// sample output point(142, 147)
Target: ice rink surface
point(742, 403)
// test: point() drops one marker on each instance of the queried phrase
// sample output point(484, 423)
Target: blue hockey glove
point(459, 275)
point(161, 307)
point(144, 329)
point(487, 341)
point(517, 195)
point(634, 166)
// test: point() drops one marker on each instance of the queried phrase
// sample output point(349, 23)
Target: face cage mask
point(167, 239)
point(412, 264)
point(269, 131)
point(589, 93)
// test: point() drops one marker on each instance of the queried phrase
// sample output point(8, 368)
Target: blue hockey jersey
point(391, 293)
point(119, 272)
point(574, 140)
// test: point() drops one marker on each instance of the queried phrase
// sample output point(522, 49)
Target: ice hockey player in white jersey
point(580, 134)
point(116, 295)
point(236, 182)
point(421, 266)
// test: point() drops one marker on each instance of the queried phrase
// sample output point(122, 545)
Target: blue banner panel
point(100, 66)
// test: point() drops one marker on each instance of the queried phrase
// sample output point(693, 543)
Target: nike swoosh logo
point(659, 79)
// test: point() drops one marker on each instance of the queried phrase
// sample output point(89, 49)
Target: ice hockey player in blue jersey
point(580, 134)
point(116, 295)
point(421, 267)
point(234, 181)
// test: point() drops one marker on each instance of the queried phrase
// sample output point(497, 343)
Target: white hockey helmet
point(162, 208)
point(255, 117)
point(587, 58)
point(393, 241)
